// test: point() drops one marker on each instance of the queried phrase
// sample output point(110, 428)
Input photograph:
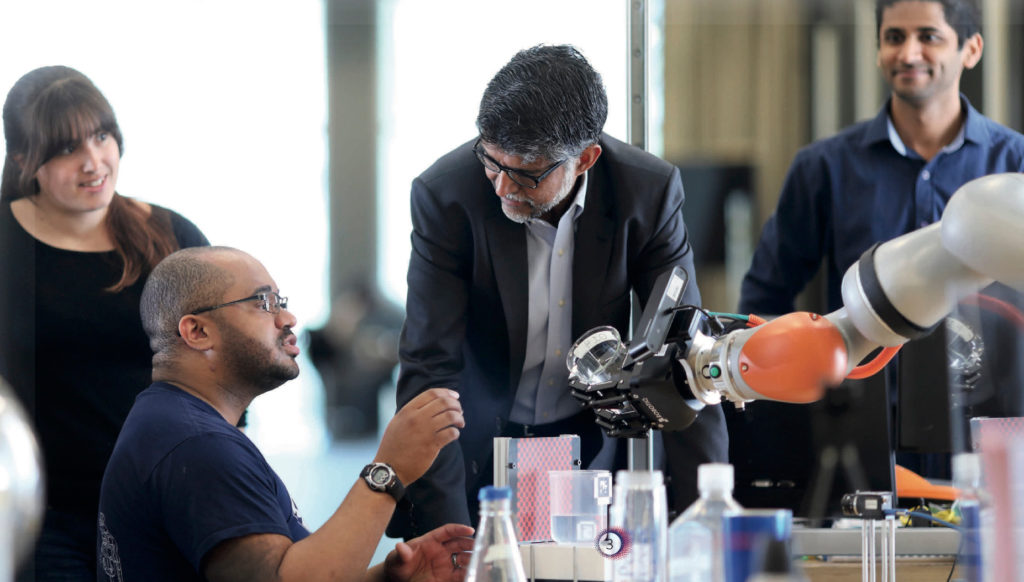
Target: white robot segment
point(919, 277)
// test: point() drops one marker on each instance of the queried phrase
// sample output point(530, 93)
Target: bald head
point(184, 281)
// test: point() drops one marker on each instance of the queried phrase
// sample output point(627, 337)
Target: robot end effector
point(683, 358)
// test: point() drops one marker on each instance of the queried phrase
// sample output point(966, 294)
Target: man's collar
point(877, 129)
point(901, 148)
point(581, 195)
point(881, 128)
point(976, 129)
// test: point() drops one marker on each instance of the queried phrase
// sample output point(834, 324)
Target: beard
point(535, 210)
point(254, 363)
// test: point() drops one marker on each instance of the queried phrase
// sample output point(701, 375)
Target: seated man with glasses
point(187, 496)
point(524, 238)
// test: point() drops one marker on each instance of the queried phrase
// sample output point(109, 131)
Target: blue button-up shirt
point(859, 187)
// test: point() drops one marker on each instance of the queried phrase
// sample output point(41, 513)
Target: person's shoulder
point(1001, 135)
point(454, 183)
point(160, 419)
point(454, 165)
point(852, 136)
point(163, 412)
point(165, 419)
point(10, 229)
point(623, 157)
point(185, 231)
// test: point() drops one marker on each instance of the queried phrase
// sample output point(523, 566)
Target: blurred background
point(293, 130)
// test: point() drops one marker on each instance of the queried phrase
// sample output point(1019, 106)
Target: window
point(223, 110)
point(435, 61)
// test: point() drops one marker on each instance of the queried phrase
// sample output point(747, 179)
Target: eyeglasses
point(270, 302)
point(518, 176)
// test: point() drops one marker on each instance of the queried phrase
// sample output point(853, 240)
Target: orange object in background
point(910, 484)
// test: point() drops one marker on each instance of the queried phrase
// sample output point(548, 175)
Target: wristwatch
point(381, 477)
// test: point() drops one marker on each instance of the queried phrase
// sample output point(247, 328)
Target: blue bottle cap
point(491, 493)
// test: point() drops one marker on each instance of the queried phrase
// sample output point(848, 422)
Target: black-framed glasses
point(270, 302)
point(518, 176)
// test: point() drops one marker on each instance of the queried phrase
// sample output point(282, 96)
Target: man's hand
point(418, 431)
point(429, 558)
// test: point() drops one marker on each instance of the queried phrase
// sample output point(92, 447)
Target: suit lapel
point(506, 245)
point(591, 255)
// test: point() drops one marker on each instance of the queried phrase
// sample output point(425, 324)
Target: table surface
point(922, 554)
point(923, 569)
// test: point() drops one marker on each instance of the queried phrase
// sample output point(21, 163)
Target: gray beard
point(535, 211)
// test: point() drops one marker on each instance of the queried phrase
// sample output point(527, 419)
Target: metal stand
point(870, 568)
point(636, 121)
point(641, 450)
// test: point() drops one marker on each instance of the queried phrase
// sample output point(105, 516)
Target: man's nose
point(910, 51)
point(504, 185)
point(285, 318)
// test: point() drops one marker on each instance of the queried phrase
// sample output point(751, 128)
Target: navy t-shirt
point(180, 481)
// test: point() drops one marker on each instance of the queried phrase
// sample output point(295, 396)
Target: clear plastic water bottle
point(495, 551)
point(975, 559)
point(695, 538)
point(640, 511)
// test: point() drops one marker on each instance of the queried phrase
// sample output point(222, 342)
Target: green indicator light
point(715, 371)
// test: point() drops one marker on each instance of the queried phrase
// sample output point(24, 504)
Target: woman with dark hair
point(74, 255)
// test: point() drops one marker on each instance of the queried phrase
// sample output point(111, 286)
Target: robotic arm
point(683, 359)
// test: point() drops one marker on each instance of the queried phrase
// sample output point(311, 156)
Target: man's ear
point(195, 331)
point(588, 158)
point(972, 50)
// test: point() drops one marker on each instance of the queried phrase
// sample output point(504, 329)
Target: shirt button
point(558, 352)
point(926, 175)
point(561, 252)
point(550, 383)
point(561, 302)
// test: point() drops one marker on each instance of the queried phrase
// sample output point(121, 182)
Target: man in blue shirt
point(187, 496)
point(890, 175)
point(874, 181)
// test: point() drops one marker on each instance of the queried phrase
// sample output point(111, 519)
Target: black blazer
point(467, 303)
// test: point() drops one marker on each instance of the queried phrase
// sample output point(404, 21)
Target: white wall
point(223, 109)
point(435, 60)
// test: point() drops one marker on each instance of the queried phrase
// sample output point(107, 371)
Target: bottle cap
point(714, 477)
point(639, 479)
point(966, 469)
point(491, 493)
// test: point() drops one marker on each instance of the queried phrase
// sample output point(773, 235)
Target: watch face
point(380, 475)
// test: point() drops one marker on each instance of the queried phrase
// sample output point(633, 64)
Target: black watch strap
point(381, 477)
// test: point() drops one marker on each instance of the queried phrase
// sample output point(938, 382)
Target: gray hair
point(546, 103)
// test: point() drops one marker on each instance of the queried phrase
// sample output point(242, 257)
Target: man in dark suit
point(523, 239)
